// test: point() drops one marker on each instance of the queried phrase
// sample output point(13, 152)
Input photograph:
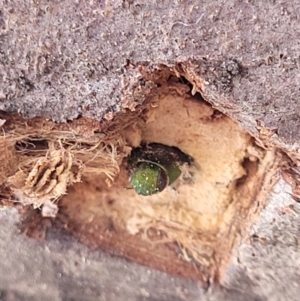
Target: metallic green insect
point(155, 166)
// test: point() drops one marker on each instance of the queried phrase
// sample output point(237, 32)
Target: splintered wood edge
point(239, 229)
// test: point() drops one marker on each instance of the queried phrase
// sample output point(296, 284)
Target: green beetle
point(149, 178)
point(154, 166)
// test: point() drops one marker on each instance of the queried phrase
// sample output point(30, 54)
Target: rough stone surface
point(63, 59)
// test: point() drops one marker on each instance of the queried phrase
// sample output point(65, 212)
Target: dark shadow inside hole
point(251, 168)
point(31, 145)
point(160, 153)
point(197, 95)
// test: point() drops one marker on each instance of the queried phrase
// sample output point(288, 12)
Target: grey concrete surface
point(264, 267)
point(61, 268)
point(269, 264)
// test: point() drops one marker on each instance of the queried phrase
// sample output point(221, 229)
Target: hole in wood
point(190, 226)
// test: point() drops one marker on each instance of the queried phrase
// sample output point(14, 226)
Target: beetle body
point(155, 166)
point(149, 178)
